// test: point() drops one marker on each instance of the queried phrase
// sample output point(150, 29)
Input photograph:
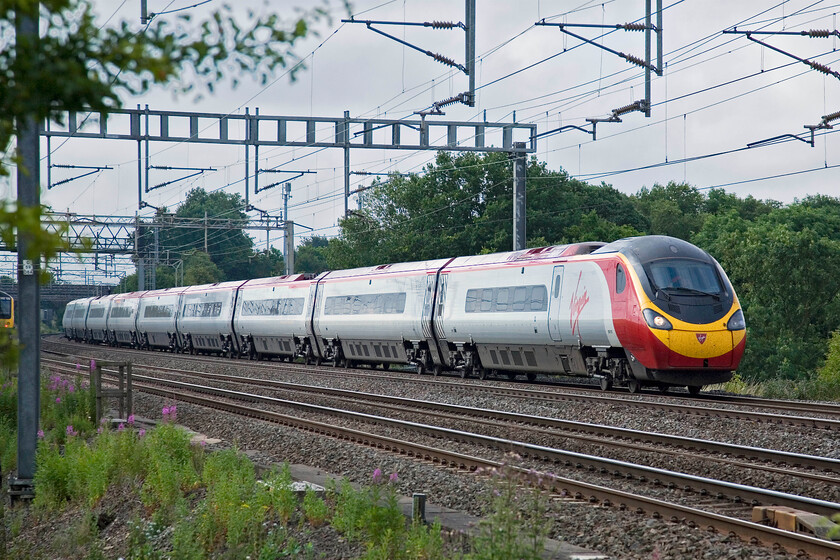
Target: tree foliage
point(462, 205)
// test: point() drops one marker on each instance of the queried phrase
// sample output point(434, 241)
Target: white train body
point(96, 325)
point(122, 318)
point(74, 318)
point(374, 314)
point(521, 310)
point(206, 319)
point(156, 315)
point(272, 316)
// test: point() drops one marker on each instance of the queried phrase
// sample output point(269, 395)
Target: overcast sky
point(718, 94)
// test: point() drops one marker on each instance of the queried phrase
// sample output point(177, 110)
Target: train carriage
point(157, 311)
point(122, 319)
point(76, 322)
point(376, 314)
point(272, 318)
point(7, 311)
point(205, 321)
point(508, 311)
point(96, 324)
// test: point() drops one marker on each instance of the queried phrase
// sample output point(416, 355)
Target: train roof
point(528, 255)
point(278, 280)
point(394, 268)
point(647, 248)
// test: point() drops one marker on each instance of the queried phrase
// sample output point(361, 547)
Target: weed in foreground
point(516, 524)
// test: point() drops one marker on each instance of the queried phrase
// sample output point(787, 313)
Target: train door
point(441, 304)
point(619, 298)
point(554, 304)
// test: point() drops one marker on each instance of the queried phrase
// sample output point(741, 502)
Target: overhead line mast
point(468, 68)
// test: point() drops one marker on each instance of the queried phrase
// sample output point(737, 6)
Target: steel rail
point(826, 464)
point(718, 488)
point(593, 395)
point(770, 536)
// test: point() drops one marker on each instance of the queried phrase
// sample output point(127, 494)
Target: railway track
point(778, 412)
point(607, 435)
point(232, 401)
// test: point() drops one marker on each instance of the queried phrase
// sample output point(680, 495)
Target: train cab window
point(5, 308)
point(620, 279)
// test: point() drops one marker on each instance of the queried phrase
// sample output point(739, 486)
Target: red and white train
point(639, 311)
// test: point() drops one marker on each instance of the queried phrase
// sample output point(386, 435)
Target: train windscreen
point(685, 277)
point(5, 307)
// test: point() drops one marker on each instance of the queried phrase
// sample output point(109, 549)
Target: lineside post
point(22, 485)
point(519, 199)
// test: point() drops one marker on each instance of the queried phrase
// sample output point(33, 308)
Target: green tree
point(462, 205)
point(310, 255)
point(784, 266)
point(675, 209)
point(200, 269)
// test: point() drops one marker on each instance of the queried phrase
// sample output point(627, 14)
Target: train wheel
point(317, 360)
point(531, 376)
point(694, 390)
point(438, 369)
point(465, 372)
point(663, 388)
point(386, 366)
point(606, 383)
point(634, 386)
point(482, 373)
point(420, 368)
point(511, 375)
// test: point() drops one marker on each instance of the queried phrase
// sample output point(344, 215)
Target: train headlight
point(736, 322)
point(656, 321)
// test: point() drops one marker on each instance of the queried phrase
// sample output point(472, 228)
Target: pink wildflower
point(141, 432)
point(377, 476)
point(78, 366)
point(131, 420)
point(58, 400)
point(203, 442)
point(92, 365)
point(121, 427)
point(393, 478)
point(40, 434)
point(99, 430)
point(71, 388)
point(71, 431)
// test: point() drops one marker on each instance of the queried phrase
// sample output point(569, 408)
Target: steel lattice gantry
point(144, 125)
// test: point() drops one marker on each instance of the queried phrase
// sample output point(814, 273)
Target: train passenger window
point(520, 297)
point(486, 300)
point(539, 297)
point(472, 299)
point(620, 279)
point(502, 299)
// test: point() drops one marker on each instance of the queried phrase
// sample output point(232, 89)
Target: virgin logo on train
point(701, 337)
point(576, 305)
